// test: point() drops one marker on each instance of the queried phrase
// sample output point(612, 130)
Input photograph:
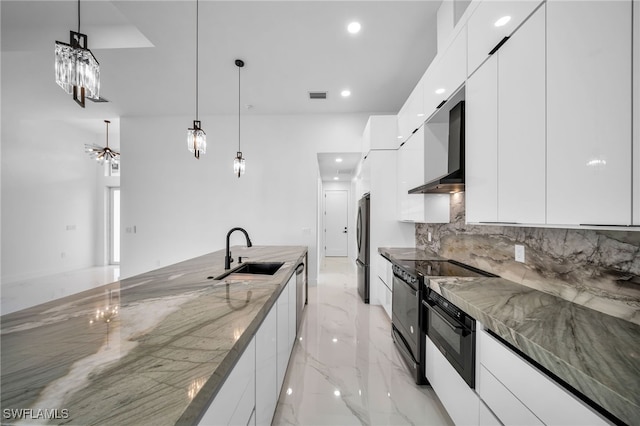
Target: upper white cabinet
point(380, 133)
point(425, 208)
point(490, 23)
point(446, 74)
point(411, 115)
point(589, 98)
point(505, 131)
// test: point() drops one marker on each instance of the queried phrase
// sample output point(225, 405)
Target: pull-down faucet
point(227, 257)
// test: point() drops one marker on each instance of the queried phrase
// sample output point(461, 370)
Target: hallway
point(344, 369)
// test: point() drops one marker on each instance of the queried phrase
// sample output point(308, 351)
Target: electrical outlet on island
point(519, 253)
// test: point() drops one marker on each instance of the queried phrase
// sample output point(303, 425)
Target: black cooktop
point(440, 268)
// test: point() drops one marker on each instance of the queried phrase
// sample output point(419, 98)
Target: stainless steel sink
point(252, 268)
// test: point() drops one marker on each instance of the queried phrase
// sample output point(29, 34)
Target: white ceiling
point(146, 51)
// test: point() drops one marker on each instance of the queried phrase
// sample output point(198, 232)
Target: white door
point(335, 222)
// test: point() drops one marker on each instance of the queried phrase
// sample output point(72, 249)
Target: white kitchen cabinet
point(505, 131)
point(436, 149)
point(486, 417)
point(266, 369)
point(380, 132)
point(636, 119)
point(507, 379)
point(425, 208)
point(282, 335)
point(234, 404)
point(446, 74)
point(481, 144)
point(484, 34)
point(589, 99)
point(411, 115)
point(460, 401)
point(292, 288)
point(385, 283)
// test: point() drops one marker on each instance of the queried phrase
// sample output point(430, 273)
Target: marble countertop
point(408, 253)
point(151, 349)
point(597, 354)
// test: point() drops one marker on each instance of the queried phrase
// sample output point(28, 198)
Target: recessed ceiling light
point(354, 27)
point(338, 160)
point(345, 93)
point(440, 91)
point(399, 136)
point(336, 392)
point(420, 114)
point(502, 21)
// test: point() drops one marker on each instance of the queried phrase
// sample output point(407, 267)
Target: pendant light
point(238, 162)
point(77, 70)
point(196, 137)
point(102, 154)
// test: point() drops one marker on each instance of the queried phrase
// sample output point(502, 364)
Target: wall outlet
point(429, 236)
point(519, 253)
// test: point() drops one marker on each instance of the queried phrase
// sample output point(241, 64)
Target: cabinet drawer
point(547, 400)
point(503, 403)
point(484, 35)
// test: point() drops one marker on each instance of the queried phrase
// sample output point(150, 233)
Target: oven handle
point(461, 331)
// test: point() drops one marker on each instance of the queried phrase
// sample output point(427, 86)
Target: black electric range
point(409, 289)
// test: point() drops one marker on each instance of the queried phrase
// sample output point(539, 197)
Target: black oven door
point(455, 339)
point(405, 313)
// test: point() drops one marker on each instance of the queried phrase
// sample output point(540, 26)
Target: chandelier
point(196, 137)
point(238, 162)
point(102, 154)
point(77, 70)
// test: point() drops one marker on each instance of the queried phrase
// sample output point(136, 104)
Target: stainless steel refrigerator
point(362, 243)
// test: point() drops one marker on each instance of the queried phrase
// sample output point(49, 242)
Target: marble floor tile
point(344, 369)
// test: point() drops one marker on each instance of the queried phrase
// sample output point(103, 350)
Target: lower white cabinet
point(234, 404)
point(250, 393)
point(519, 393)
point(385, 284)
point(266, 369)
point(460, 401)
point(486, 417)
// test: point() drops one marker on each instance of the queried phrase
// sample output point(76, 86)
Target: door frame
point(111, 235)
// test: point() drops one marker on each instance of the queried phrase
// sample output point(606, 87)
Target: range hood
point(453, 181)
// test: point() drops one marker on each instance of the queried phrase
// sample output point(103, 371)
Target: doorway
point(114, 226)
point(336, 219)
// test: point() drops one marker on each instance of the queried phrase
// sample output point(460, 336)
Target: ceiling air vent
point(317, 95)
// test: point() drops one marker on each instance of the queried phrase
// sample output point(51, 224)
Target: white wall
point(48, 198)
point(182, 207)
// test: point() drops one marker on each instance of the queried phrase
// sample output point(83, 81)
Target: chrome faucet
point(227, 257)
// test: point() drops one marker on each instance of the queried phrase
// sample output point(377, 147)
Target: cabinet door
point(411, 115)
point(234, 404)
point(490, 23)
point(481, 139)
point(448, 74)
point(521, 124)
point(266, 369)
point(589, 144)
point(292, 313)
point(411, 175)
point(282, 335)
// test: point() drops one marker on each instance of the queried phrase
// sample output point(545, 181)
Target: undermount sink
point(253, 268)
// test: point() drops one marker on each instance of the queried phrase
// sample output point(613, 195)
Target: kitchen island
point(151, 349)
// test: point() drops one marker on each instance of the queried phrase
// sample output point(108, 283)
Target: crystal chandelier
point(102, 154)
point(238, 162)
point(196, 137)
point(77, 70)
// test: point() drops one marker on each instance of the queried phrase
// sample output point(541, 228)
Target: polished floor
point(344, 369)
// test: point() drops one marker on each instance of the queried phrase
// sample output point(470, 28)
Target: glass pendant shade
point(238, 164)
point(103, 154)
point(77, 70)
point(197, 139)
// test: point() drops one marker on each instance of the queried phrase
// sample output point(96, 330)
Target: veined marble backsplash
point(597, 269)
